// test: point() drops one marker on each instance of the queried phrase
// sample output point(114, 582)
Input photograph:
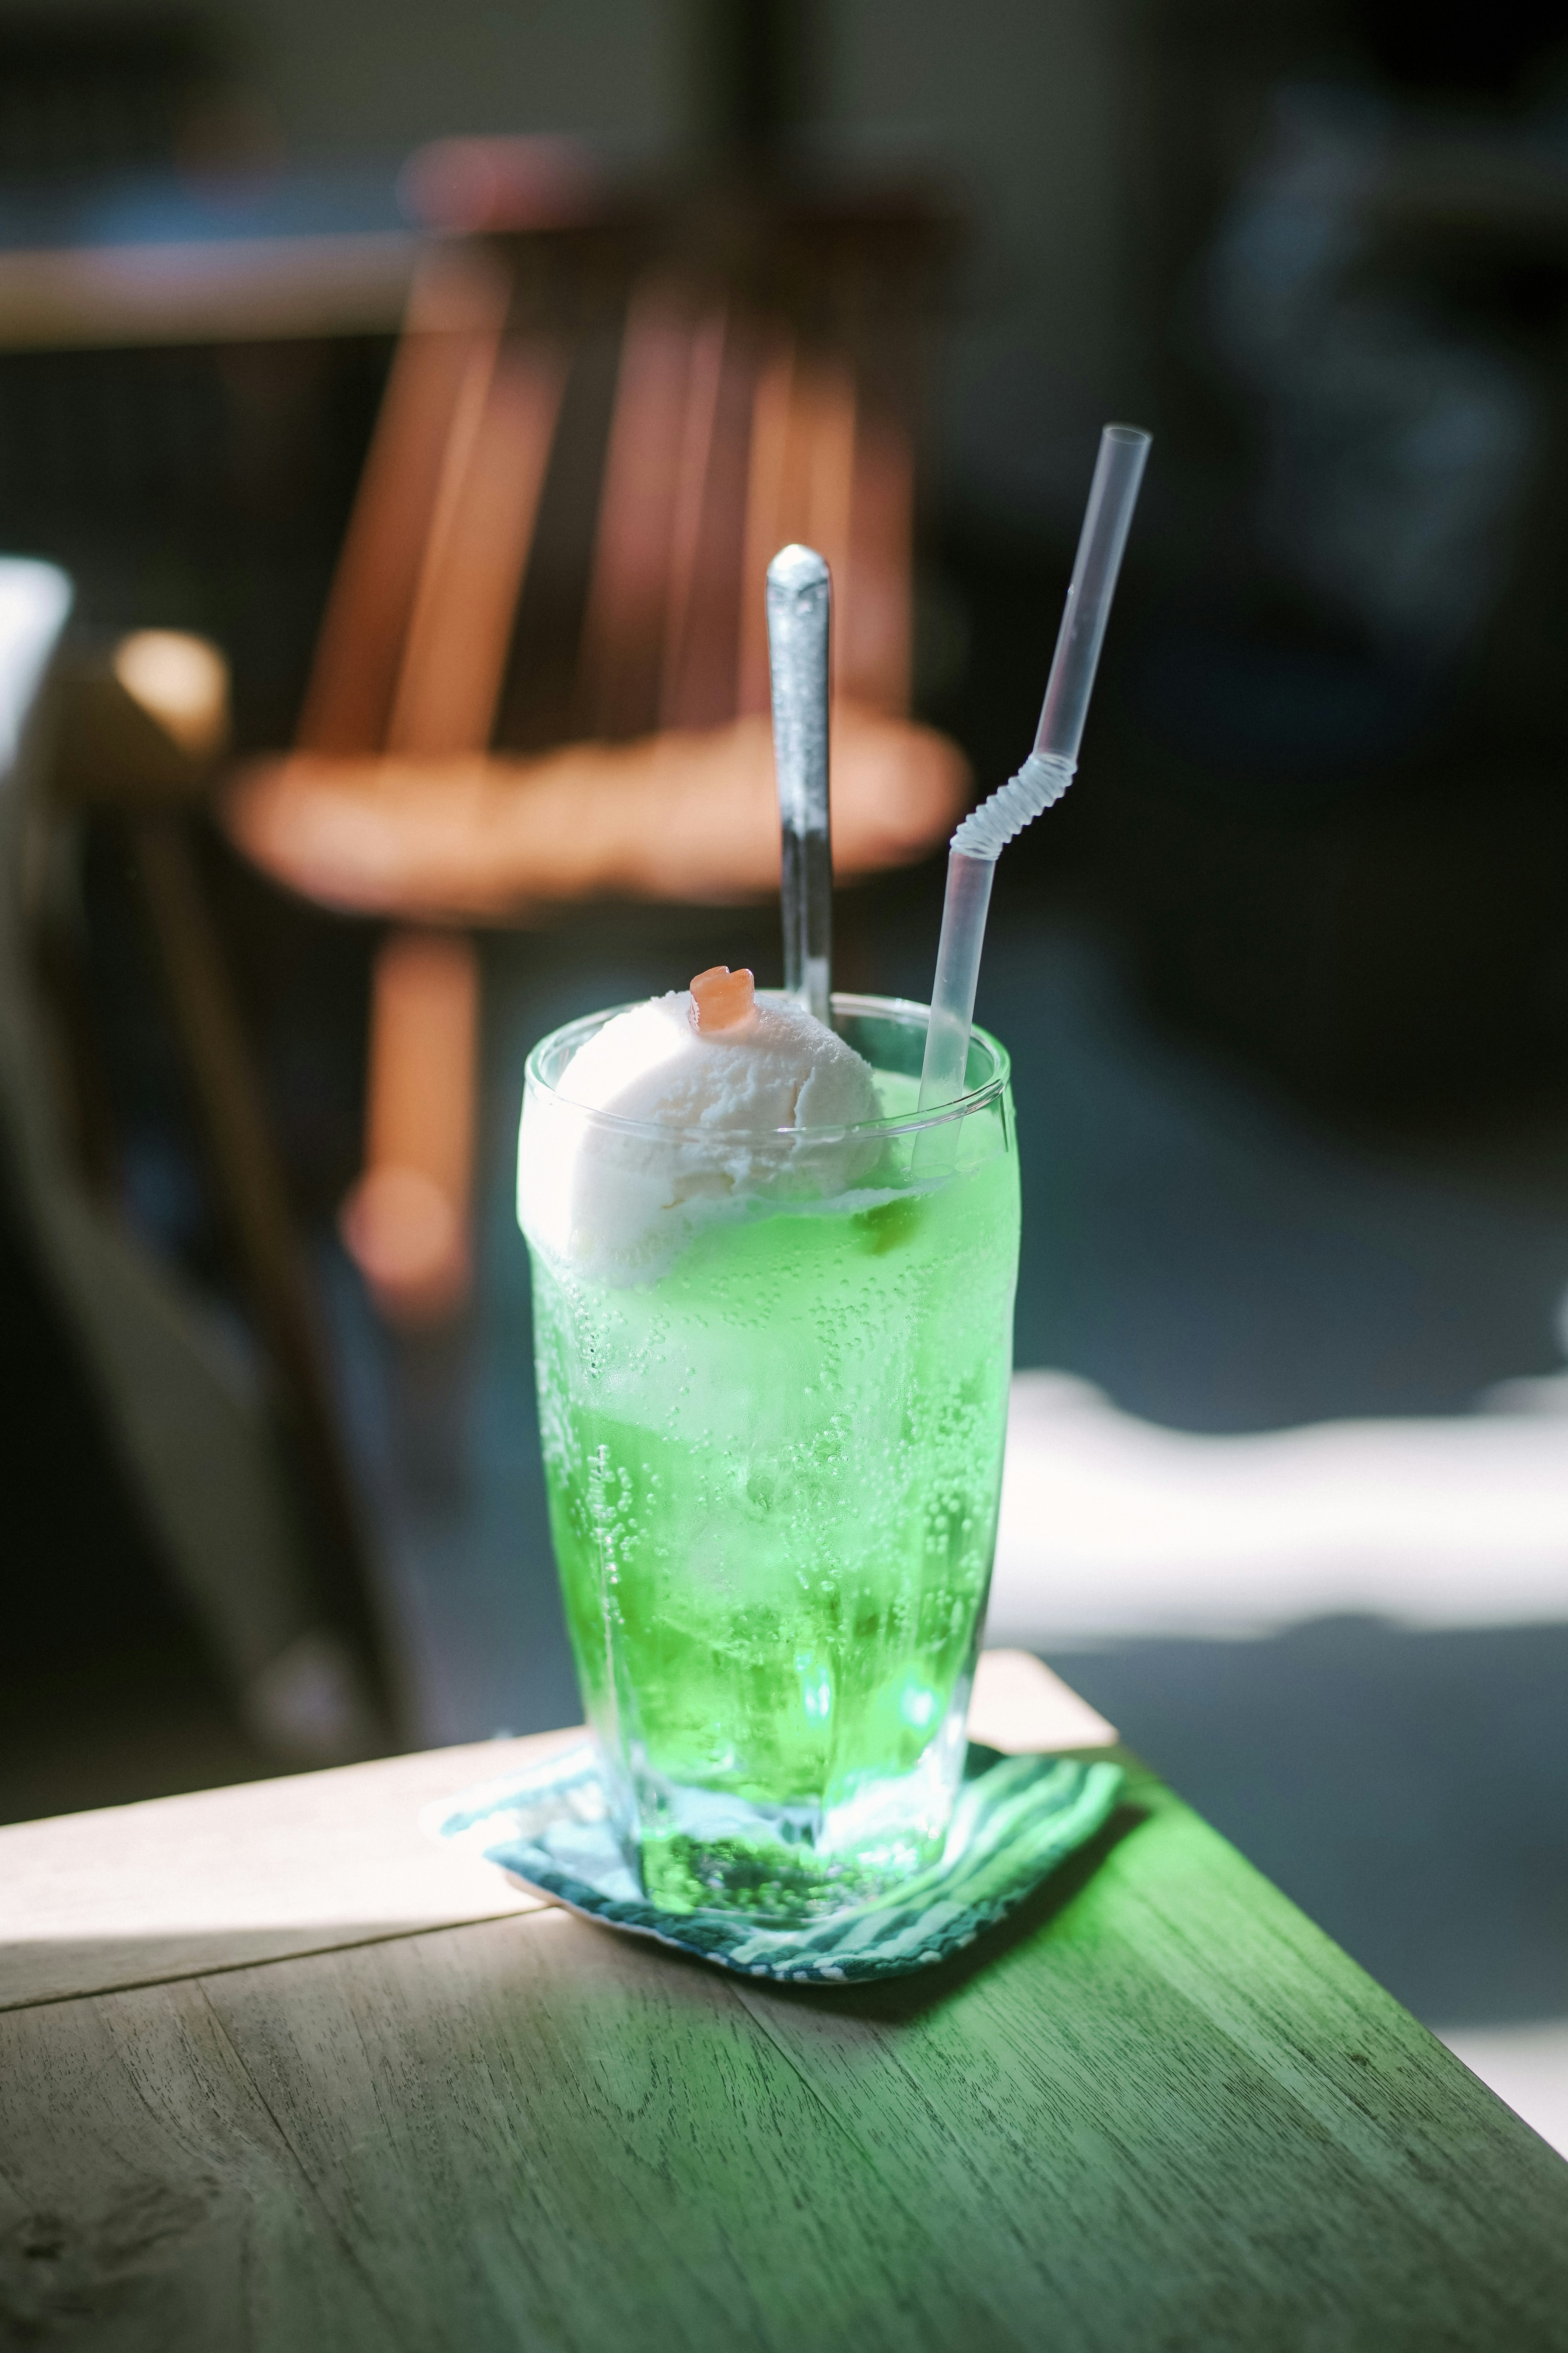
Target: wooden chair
point(542, 675)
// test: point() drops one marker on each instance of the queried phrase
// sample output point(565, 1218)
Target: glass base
point(709, 1850)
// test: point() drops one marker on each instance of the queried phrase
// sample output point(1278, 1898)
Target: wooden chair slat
point(454, 317)
point(765, 512)
point(876, 635)
point(712, 357)
point(621, 660)
point(461, 627)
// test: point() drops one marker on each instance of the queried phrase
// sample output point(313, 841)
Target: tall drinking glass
point(773, 1376)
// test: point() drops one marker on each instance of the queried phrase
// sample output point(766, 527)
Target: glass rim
point(905, 1008)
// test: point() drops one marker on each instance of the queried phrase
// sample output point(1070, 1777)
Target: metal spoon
point(799, 608)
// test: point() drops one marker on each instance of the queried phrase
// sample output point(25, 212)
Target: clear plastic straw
point(1045, 774)
point(799, 611)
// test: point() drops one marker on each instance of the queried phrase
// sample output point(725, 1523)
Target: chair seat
point(687, 816)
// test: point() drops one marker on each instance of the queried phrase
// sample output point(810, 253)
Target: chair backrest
point(764, 369)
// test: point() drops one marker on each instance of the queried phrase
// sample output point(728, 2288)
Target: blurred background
point(377, 349)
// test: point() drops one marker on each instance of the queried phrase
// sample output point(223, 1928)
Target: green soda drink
point(772, 1371)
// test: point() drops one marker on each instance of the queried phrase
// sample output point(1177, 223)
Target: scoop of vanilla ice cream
point(784, 1068)
point(725, 1123)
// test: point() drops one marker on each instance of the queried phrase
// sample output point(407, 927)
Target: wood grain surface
point(178, 1885)
point(1159, 2110)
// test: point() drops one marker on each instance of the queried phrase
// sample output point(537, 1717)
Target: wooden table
point(275, 2071)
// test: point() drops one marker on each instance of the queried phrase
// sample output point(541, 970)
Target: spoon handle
point(799, 609)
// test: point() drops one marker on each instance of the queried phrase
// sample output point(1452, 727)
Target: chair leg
point(254, 1203)
point(407, 1221)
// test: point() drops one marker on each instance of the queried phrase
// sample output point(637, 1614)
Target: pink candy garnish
point(722, 1001)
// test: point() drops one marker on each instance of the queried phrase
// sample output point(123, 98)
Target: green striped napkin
point(1016, 1819)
